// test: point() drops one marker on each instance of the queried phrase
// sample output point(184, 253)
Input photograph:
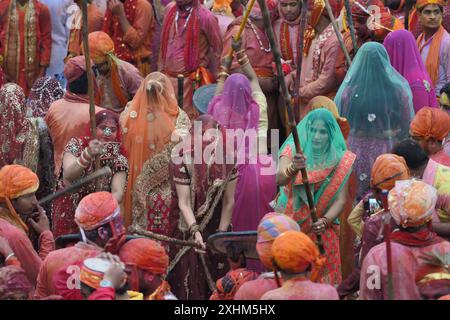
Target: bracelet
point(327, 222)
point(241, 57)
point(194, 228)
point(87, 154)
point(223, 73)
point(9, 256)
point(81, 165)
point(240, 52)
point(244, 63)
point(84, 161)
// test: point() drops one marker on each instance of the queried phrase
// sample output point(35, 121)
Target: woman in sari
point(78, 161)
point(329, 165)
point(149, 122)
point(203, 199)
point(405, 58)
point(377, 101)
point(44, 92)
point(19, 140)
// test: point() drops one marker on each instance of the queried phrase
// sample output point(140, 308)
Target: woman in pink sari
point(405, 58)
point(241, 107)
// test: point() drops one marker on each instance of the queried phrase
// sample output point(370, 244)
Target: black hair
point(92, 235)
point(80, 85)
point(412, 152)
point(235, 252)
point(446, 89)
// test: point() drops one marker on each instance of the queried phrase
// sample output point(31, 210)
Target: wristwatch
point(106, 283)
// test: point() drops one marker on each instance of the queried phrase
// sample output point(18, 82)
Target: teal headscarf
point(374, 97)
point(326, 158)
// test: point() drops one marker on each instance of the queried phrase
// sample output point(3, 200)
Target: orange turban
point(145, 254)
point(294, 252)
point(270, 227)
point(387, 169)
point(96, 209)
point(16, 181)
point(100, 46)
point(412, 203)
point(422, 3)
point(430, 123)
point(222, 6)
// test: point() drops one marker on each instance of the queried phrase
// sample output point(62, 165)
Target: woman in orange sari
point(151, 124)
point(329, 165)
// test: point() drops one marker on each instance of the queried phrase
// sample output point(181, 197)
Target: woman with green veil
point(329, 165)
point(377, 102)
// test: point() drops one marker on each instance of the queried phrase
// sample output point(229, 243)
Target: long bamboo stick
point(301, 41)
point(350, 25)
point(337, 32)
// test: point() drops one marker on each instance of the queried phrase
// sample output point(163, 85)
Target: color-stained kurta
point(26, 41)
point(66, 119)
point(302, 290)
point(209, 49)
point(22, 247)
point(58, 259)
point(134, 45)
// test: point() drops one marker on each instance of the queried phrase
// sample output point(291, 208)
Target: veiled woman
point(329, 165)
point(203, 199)
point(377, 102)
point(152, 124)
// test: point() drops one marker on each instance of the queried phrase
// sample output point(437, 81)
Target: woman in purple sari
point(242, 107)
point(405, 58)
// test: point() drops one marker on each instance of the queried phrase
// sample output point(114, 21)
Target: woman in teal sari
point(329, 164)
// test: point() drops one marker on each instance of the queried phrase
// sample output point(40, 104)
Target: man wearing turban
point(69, 117)
point(321, 47)
point(100, 222)
point(117, 80)
point(298, 259)
point(411, 205)
point(146, 263)
point(22, 221)
point(434, 42)
point(271, 226)
point(430, 127)
point(366, 218)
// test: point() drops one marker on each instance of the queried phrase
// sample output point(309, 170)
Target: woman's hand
point(199, 240)
point(236, 44)
point(320, 226)
point(95, 147)
point(299, 162)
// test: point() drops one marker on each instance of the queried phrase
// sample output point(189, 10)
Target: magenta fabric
point(235, 108)
point(405, 58)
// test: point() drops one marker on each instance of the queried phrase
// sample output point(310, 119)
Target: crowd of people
point(172, 169)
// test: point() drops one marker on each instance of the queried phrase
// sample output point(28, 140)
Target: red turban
point(96, 209)
point(145, 254)
point(13, 281)
point(387, 169)
point(430, 123)
point(74, 68)
point(294, 252)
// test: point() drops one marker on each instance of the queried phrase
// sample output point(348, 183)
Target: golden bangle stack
point(240, 52)
point(193, 228)
point(80, 164)
point(290, 171)
point(224, 74)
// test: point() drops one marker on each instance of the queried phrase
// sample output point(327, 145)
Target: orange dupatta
point(148, 124)
point(432, 62)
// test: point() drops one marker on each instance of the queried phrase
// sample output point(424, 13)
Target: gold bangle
point(79, 163)
point(242, 51)
point(242, 56)
point(243, 61)
point(223, 73)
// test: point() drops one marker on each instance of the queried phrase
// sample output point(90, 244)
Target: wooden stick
point(387, 240)
point(180, 90)
point(77, 184)
point(338, 33)
point(300, 60)
point(90, 76)
point(351, 26)
point(287, 105)
point(161, 237)
point(239, 34)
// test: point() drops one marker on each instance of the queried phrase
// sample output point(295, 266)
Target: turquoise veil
point(374, 97)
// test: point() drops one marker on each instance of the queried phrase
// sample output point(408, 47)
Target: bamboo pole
point(350, 25)
point(338, 32)
point(300, 60)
